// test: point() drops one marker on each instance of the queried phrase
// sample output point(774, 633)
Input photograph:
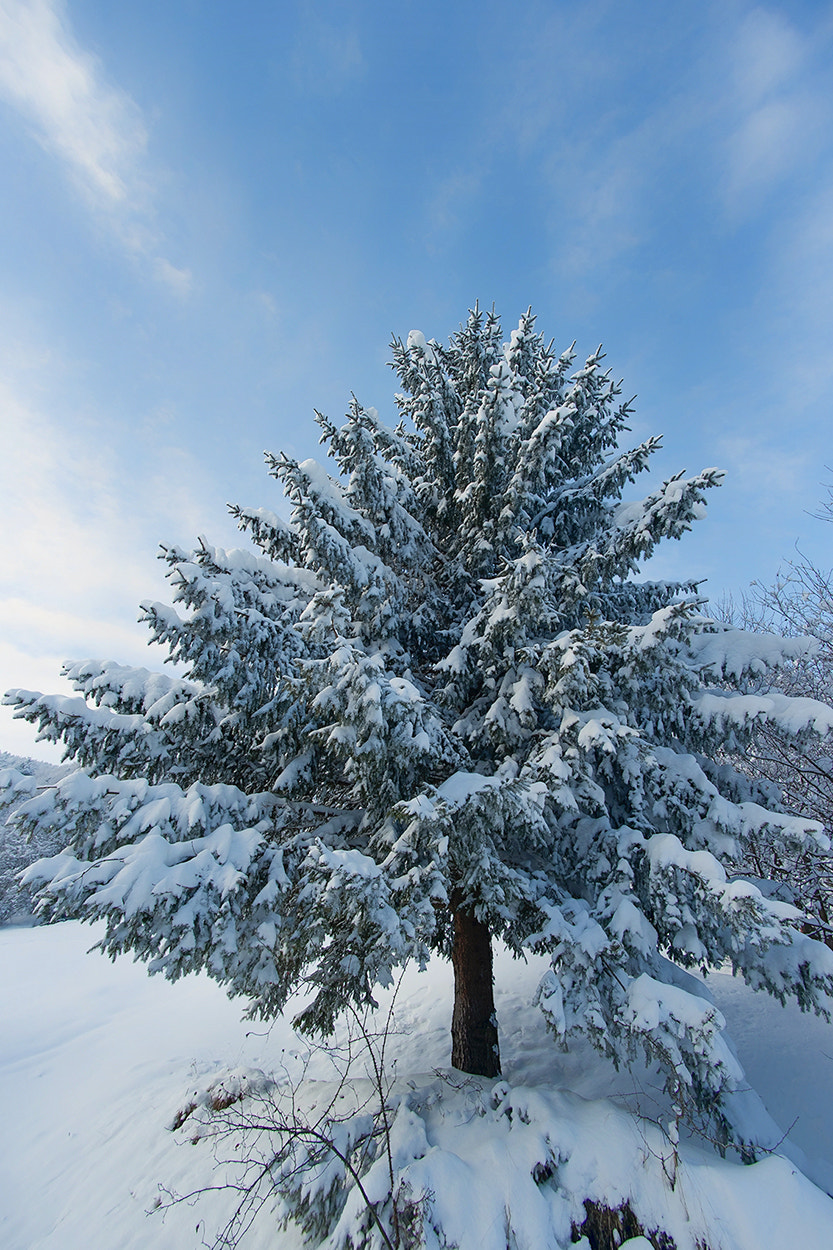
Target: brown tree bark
point(474, 1037)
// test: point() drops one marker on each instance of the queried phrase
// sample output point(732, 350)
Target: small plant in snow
point(318, 1153)
point(436, 708)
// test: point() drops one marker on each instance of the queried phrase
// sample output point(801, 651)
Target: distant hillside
point(17, 852)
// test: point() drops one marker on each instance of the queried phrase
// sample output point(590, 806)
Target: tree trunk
point(474, 1040)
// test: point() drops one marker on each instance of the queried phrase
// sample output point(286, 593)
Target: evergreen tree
point(436, 709)
point(19, 779)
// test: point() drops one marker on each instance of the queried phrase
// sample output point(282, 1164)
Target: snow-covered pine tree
point(436, 710)
point(17, 852)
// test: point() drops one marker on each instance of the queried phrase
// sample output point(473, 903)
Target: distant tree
point(436, 710)
point(795, 773)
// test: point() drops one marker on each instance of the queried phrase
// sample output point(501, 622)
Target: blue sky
point(215, 217)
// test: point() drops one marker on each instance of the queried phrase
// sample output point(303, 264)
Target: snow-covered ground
point(97, 1058)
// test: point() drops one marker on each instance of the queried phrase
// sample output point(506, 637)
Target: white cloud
point(767, 469)
point(749, 112)
point(777, 113)
point(80, 523)
point(30, 673)
point(36, 640)
point(766, 145)
point(767, 53)
point(798, 291)
point(67, 564)
point(179, 281)
point(95, 129)
point(79, 634)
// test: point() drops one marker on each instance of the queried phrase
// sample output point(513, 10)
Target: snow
point(795, 715)
point(97, 1059)
point(416, 339)
point(460, 786)
point(732, 654)
point(666, 850)
point(329, 495)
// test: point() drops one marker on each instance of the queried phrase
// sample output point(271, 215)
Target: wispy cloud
point(764, 467)
point(72, 537)
point(616, 139)
point(81, 518)
point(95, 129)
point(179, 281)
point(767, 52)
point(327, 57)
point(578, 135)
point(778, 168)
point(777, 113)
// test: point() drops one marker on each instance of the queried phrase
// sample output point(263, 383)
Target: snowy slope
point(97, 1058)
